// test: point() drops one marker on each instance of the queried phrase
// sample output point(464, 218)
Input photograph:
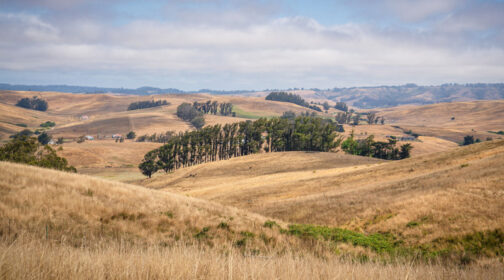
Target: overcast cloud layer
point(242, 44)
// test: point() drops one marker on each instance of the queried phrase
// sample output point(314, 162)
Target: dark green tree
point(44, 138)
point(149, 165)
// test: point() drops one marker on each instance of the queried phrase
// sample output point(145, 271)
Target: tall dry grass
point(35, 259)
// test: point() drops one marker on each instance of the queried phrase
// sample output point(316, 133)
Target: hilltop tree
point(131, 135)
point(34, 103)
point(382, 120)
point(468, 140)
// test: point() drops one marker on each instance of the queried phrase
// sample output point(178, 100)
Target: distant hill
point(87, 89)
point(389, 96)
point(359, 97)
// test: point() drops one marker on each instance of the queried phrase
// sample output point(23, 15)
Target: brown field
point(57, 225)
point(455, 192)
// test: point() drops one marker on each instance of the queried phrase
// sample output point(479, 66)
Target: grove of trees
point(147, 104)
point(377, 149)
point(34, 103)
point(27, 150)
point(221, 142)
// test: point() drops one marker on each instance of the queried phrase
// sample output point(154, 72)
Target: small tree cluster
point(48, 124)
point(33, 103)
point(209, 107)
point(469, 139)
point(342, 106)
point(27, 150)
point(188, 113)
point(232, 140)
point(377, 149)
point(147, 104)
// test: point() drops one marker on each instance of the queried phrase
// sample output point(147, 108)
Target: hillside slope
point(55, 225)
point(443, 194)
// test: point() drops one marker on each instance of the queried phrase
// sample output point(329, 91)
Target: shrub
point(48, 124)
point(131, 135)
point(270, 224)
point(468, 140)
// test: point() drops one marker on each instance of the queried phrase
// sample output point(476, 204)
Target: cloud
point(417, 10)
point(268, 52)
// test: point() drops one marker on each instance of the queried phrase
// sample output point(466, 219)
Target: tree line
point(147, 104)
point(291, 98)
point(355, 118)
point(209, 107)
point(33, 103)
point(221, 142)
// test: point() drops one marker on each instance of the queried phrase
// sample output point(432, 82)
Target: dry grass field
point(470, 118)
point(56, 225)
point(443, 194)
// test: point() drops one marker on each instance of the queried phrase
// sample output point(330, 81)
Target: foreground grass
point(45, 260)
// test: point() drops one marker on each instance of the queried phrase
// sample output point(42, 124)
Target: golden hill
point(56, 225)
point(442, 194)
point(469, 118)
point(108, 113)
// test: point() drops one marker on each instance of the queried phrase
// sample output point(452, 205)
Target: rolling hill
point(442, 194)
point(56, 225)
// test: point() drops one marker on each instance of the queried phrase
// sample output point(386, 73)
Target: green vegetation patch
point(377, 242)
point(501, 132)
point(482, 243)
point(240, 113)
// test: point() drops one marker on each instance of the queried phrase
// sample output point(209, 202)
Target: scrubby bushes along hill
point(232, 140)
point(291, 98)
point(34, 103)
point(147, 104)
point(27, 150)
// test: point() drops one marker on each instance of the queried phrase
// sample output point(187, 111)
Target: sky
point(247, 44)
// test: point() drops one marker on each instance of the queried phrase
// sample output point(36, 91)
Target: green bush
point(48, 124)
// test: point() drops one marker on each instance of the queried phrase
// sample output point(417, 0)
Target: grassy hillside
point(56, 225)
point(421, 199)
point(469, 118)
